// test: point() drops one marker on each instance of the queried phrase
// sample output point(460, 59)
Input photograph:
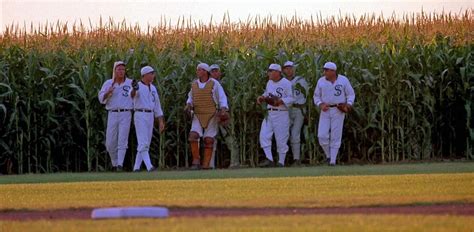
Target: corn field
point(413, 77)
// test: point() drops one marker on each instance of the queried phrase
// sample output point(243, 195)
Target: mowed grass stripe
point(391, 169)
point(257, 223)
point(326, 191)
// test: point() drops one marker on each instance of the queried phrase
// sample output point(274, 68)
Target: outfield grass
point(323, 191)
point(389, 169)
point(257, 223)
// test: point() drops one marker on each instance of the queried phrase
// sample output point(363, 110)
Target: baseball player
point(226, 133)
point(115, 95)
point(147, 108)
point(206, 103)
point(279, 97)
point(335, 96)
point(297, 109)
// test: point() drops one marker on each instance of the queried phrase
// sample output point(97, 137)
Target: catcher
point(278, 96)
point(206, 105)
point(335, 96)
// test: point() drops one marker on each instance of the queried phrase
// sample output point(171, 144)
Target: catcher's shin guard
point(195, 152)
point(208, 147)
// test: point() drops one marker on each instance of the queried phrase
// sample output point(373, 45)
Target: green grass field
point(388, 169)
point(321, 186)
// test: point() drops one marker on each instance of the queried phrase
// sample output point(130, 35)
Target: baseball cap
point(330, 65)
point(275, 67)
point(204, 66)
point(146, 70)
point(214, 66)
point(289, 64)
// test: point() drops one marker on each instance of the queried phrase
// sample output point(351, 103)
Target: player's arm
point(261, 98)
point(222, 98)
point(288, 98)
point(134, 89)
point(317, 98)
point(105, 92)
point(350, 94)
point(158, 113)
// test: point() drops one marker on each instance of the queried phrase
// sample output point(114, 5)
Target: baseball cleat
point(266, 163)
point(196, 167)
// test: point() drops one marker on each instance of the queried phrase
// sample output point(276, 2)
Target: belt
point(335, 105)
point(143, 110)
point(273, 109)
point(120, 110)
point(299, 106)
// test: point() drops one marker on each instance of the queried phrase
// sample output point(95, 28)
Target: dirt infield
point(85, 213)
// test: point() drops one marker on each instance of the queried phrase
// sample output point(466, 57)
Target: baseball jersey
point(300, 97)
point(147, 98)
point(330, 93)
point(283, 90)
point(218, 93)
point(120, 98)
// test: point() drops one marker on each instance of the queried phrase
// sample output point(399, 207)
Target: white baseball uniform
point(220, 99)
point(297, 112)
point(147, 107)
point(119, 106)
point(277, 120)
point(331, 122)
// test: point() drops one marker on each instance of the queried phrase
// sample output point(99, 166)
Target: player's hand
point(260, 99)
point(162, 126)
point(109, 91)
point(324, 107)
point(279, 102)
point(188, 111)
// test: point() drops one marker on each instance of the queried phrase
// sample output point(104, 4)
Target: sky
point(151, 12)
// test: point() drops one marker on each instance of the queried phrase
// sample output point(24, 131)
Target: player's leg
point(193, 138)
point(281, 127)
point(209, 136)
point(295, 133)
point(123, 133)
point(212, 164)
point(266, 134)
point(111, 137)
point(148, 134)
point(337, 124)
point(323, 132)
point(232, 145)
point(139, 124)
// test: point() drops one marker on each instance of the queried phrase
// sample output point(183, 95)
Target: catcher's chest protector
point(204, 106)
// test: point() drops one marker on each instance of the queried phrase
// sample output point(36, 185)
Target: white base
point(130, 212)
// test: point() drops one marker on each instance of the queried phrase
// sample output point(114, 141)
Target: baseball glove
point(272, 100)
point(344, 107)
point(223, 117)
point(135, 84)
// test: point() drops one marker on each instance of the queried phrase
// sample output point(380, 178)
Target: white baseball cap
point(117, 63)
point(289, 64)
point(204, 66)
point(330, 65)
point(214, 66)
point(275, 67)
point(146, 70)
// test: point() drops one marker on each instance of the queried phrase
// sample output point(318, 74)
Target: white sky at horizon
point(151, 12)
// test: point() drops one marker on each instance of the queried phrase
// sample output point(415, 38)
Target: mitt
point(272, 99)
point(223, 117)
point(344, 107)
point(135, 84)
